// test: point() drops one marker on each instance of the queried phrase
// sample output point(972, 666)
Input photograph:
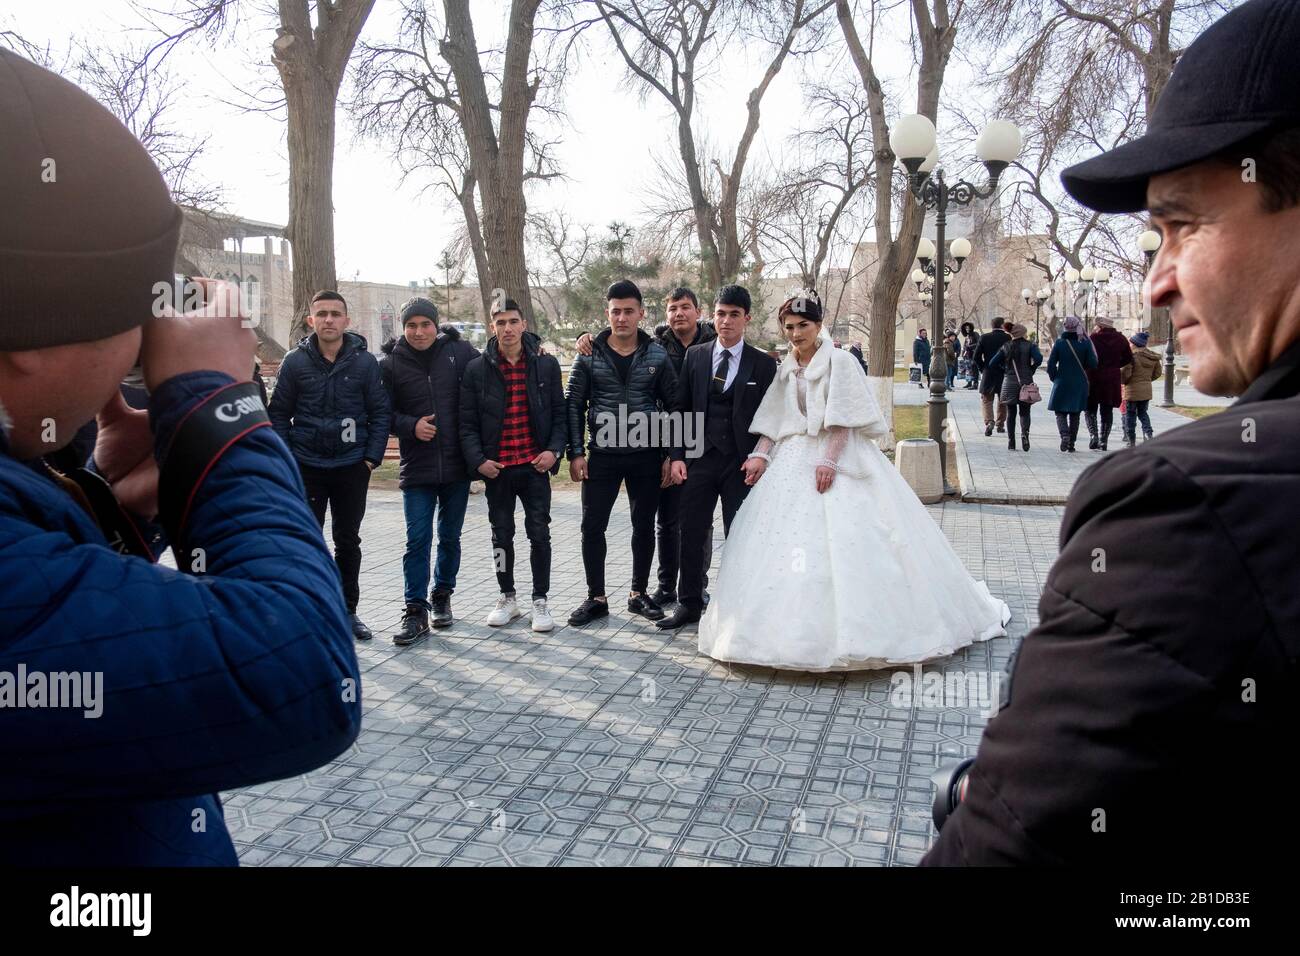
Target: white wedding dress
point(856, 578)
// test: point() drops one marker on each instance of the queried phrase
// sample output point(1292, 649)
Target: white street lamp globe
point(1088, 273)
point(960, 247)
point(1149, 241)
point(1102, 274)
point(925, 249)
point(913, 137)
point(999, 143)
point(1071, 275)
point(1026, 294)
point(918, 276)
point(1044, 293)
point(931, 160)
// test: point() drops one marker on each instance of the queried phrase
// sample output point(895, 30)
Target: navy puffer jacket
point(428, 383)
point(331, 414)
point(210, 682)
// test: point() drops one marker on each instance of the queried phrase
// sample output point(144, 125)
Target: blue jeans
point(952, 375)
point(418, 504)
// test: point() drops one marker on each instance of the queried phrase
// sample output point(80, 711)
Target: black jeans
point(343, 490)
point(1107, 413)
point(669, 528)
point(640, 470)
point(533, 489)
point(1023, 409)
point(708, 478)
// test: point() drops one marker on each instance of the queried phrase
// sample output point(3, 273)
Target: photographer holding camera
point(131, 693)
point(1148, 710)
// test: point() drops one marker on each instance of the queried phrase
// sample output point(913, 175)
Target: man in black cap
point(1148, 711)
point(422, 372)
point(131, 693)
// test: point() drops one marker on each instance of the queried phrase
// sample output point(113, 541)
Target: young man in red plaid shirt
point(512, 430)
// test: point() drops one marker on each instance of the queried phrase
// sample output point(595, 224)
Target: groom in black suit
point(721, 386)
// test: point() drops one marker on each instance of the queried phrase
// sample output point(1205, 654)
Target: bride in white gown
point(832, 562)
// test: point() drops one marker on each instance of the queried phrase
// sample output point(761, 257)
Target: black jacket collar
point(1279, 380)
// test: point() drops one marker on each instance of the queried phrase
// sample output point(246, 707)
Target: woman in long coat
point(1104, 385)
point(969, 339)
point(1019, 359)
point(1069, 377)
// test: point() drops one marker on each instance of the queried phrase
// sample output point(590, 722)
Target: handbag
point(1029, 393)
point(914, 374)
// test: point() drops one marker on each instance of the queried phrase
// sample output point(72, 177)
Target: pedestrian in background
point(1104, 381)
point(953, 353)
point(969, 340)
point(991, 379)
point(921, 350)
point(1018, 360)
point(1067, 367)
point(1137, 378)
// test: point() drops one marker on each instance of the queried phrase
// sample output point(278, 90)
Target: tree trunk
point(497, 160)
point(311, 206)
point(311, 63)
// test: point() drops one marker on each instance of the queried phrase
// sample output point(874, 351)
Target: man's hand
point(425, 429)
point(369, 464)
point(215, 338)
point(578, 469)
point(678, 472)
point(124, 456)
point(825, 477)
point(666, 474)
point(753, 469)
point(584, 343)
point(544, 462)
point(490, 468)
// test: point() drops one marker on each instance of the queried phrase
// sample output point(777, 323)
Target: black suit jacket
point(755, 374)
point(989, 343)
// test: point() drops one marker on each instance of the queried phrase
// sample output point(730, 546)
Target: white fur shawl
point(837, 394)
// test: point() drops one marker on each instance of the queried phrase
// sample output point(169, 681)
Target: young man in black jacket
point(422, 372)
point(618, 391)
point(991, 379)
point(331, 410)
point(512, 431)
point(683, 329)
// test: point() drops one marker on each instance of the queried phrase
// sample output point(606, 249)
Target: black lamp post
point(913, 142)
point(1036, 299)
point(1149, 244)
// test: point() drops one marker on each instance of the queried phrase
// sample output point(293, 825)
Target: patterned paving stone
point(618, 744)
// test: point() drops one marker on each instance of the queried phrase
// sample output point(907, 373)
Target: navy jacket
point(209, 682)
point(921, 351)
point(428, 383)
point(316, 401)
point(1070, 378)
point(483, 404)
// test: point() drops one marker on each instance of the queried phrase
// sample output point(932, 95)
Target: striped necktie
point(720, 373)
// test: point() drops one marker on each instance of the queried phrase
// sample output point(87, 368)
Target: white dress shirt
point(733, 363)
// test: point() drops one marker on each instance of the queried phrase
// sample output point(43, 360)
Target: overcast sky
point(388, 232)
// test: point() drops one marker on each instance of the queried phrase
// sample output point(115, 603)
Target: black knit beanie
point(87, 227)
point(419, 306)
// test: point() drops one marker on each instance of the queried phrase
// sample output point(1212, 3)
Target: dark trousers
point(1090, 414)
point(1133, 413)
point(533, 489)
point(1012, 409)
point(343, 491)
point(669, 528)
point(708, 478)
point(1067, 423)
point(606, 472)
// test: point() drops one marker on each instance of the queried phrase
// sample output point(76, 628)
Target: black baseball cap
point(1239, 78)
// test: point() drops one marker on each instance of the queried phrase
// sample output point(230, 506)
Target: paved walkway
point(989, 472)
point(620, 743)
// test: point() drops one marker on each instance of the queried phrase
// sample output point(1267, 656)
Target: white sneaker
point(542, 620)
point(505, 611)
